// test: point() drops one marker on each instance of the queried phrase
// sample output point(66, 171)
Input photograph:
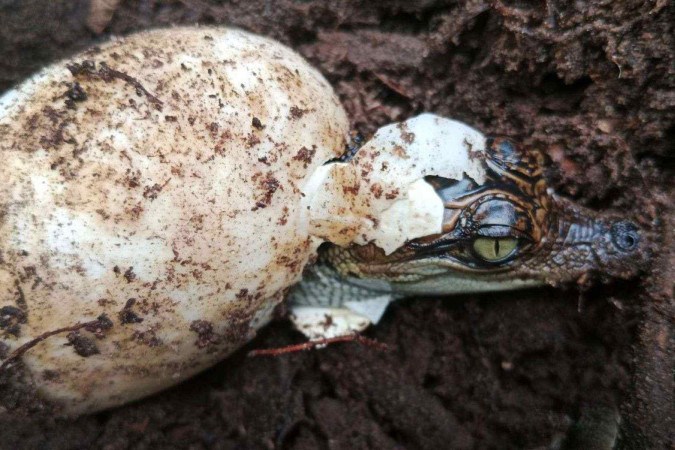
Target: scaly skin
point(556, 241)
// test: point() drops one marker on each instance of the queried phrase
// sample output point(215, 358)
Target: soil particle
point(102, 324)
point(377, 190)
point(100, 14)
point(87, 69)
point(305, 155)
point(127, 316)
point(257, 124)
point(130, 276)
point(82, 345)
point(392, 194)
point(148, 337)
point(205, 333)
point(153, 191)
point(75, 94)
point(11, 319)
point(588, 83)
point(268, 185)
point(296, 113)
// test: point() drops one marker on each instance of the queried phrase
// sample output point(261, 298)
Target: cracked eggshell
point(380, 196)
point(156, 179)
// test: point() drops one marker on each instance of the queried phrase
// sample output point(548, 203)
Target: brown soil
point(590, 83)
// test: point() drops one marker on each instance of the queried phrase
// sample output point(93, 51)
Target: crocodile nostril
point(625, 235)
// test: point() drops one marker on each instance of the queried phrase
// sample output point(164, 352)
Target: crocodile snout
point(585, 241)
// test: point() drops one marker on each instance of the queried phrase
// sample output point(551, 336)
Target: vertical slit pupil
point(496, 247)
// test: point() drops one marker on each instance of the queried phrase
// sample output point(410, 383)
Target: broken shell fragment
point(156, 183)
point(380, 196)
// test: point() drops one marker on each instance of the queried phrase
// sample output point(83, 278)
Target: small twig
point(393, 85)
point(106, 73)
point(310, 345)
point(102, 323)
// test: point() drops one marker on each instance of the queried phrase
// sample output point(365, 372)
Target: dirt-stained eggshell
point(380, 196)
point(156, 180)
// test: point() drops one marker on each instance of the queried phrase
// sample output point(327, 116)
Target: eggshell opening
point(380, 196)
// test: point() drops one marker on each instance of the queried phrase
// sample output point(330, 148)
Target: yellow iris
point(494, 249)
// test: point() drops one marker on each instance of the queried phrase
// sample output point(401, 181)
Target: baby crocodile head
point(506, 232)
point(430, 206)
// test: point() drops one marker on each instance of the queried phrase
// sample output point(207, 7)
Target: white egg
point(157, 180)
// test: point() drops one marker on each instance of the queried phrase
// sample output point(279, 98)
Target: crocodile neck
point(341, 275)
point(323, 285)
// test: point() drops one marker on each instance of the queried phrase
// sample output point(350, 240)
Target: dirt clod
point(82, 345)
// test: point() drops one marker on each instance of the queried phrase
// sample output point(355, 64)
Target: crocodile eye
point(495, 249)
